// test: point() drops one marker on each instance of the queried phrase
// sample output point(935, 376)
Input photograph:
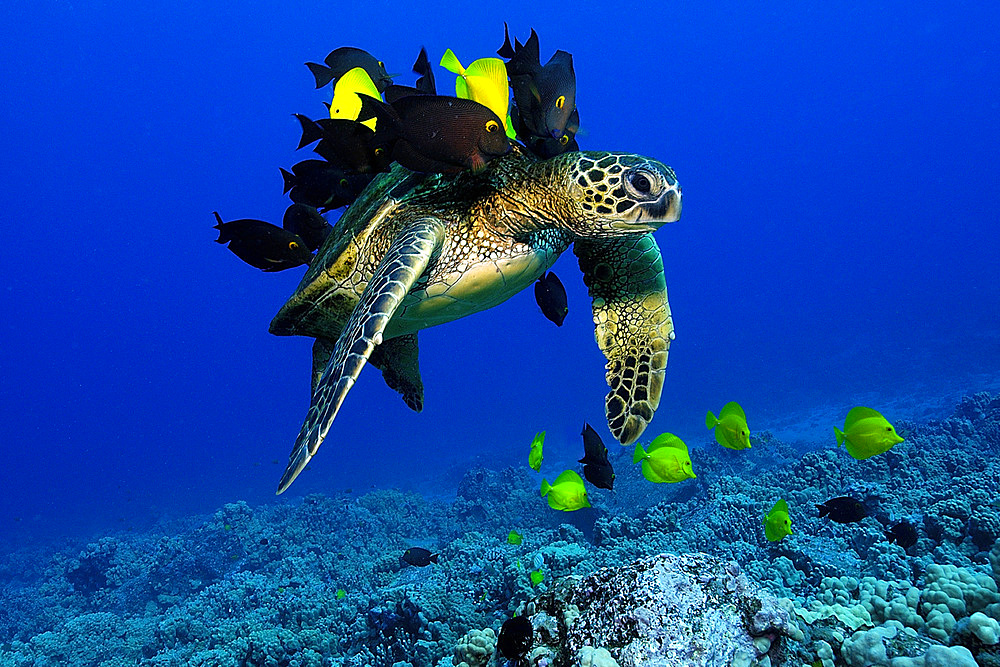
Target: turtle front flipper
point(402, 265)
point(633, 325)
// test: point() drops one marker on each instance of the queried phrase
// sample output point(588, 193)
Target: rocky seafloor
point(689, 580)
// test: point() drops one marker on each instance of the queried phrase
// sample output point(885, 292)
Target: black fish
point(322, 185)
point(597, 468)
point(594, 450)
point(551, 298)
point(263, 245)
point(396, 92)
point(903, 534)
point(545, 146)
point(436, 133)
point(308, 223)
point(422, 66)
point(515, 638)
point(545, 96)
point(419, 556)
point(603, 477)
point(342, 60)
point(843, 510)
point(347, 144)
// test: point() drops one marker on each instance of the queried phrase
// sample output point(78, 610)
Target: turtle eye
point(563, 140)
point(560, 102)
point(642, 182)
point(492, 126)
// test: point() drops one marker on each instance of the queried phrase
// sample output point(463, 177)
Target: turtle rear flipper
point(396, 358)
point(633, 325)
point(402, 265)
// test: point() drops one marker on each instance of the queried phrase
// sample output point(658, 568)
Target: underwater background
point(838, 247)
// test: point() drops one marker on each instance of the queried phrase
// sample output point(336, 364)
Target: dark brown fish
point(436, 133)
point(263, 245)
point(419, 557)
point(843, 510)
point(306, 222)
point(550, 295)
point(342, 60)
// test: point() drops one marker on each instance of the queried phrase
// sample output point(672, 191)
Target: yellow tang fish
point(777, 523)
point(514, 537)
point(346, 103)
point(866, 433)
point(535, 455)
point(567, 493)
point(666, 460)
point(731, 430)
point(483, 81)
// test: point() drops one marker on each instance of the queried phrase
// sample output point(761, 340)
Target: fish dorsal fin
point(666, 441)
point(780, 506)
point(859, 413)
point(732, 408)
point(568, 477)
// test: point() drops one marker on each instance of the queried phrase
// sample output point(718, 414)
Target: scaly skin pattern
point(418, 250)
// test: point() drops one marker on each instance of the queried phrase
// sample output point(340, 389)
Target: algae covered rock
point(690, 609)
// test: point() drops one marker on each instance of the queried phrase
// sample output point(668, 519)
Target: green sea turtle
point(417, 250)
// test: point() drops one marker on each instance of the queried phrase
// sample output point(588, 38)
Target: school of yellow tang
point(666, 459)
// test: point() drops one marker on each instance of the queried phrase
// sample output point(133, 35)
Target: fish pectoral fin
point(402, 265)
point(634, 325)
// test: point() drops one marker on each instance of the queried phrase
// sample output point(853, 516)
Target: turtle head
point(616, 194)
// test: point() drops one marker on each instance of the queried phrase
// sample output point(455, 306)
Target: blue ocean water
point(838, 244)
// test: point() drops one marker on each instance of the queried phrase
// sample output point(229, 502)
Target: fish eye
point(492, 126)
point(564, 139)
point(378, 151)
point(292, 245)
point(343, 182)
point(381, 64)
point(560, 101)
point(888, 428)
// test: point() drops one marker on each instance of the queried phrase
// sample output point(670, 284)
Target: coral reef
point(258, 585)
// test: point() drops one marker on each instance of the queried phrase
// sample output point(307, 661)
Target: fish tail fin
point(388, 127)
point(823, 510)
point(310, 130)
point(639, 453)
point(223, 237)
point(289, 179)
point(322, 74)
point(840, 436)
point(546, 487)
point(450, 62)
point(710, 420)
point(507, 50)
point(889, 536)
point(433, 558)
